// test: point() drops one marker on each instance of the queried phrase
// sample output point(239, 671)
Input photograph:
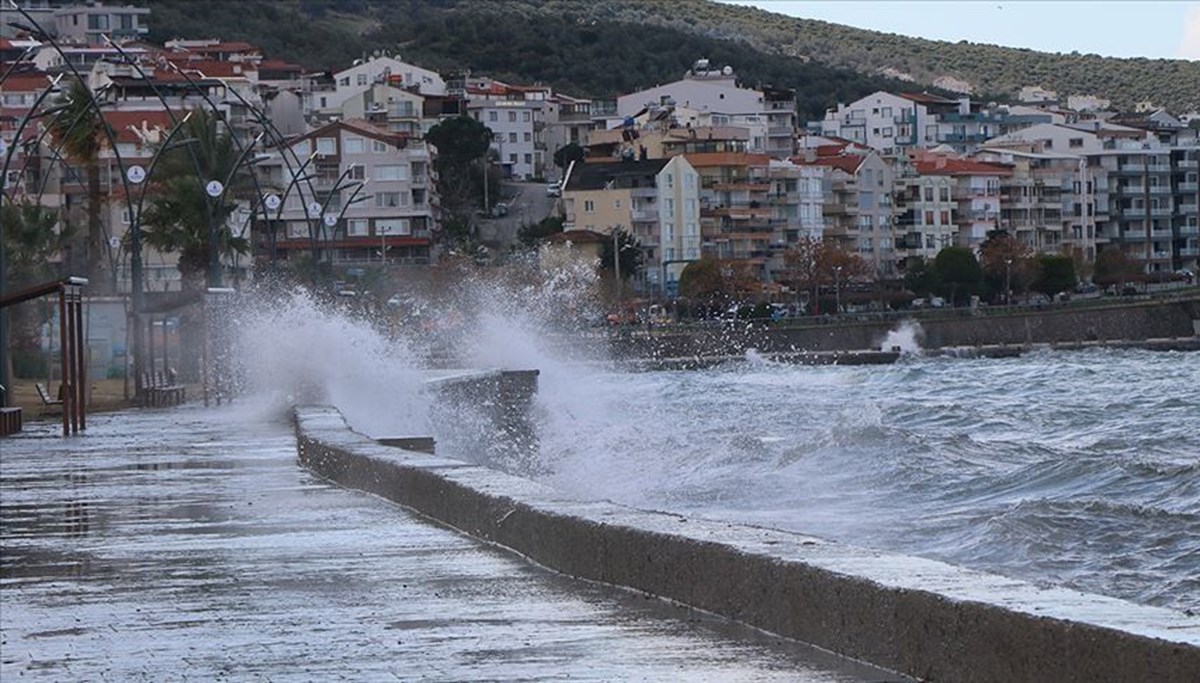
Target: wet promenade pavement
point(187, 544)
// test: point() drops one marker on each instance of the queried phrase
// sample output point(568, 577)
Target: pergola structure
point(71, 341)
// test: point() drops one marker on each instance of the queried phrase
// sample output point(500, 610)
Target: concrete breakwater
point(923, 618)
point(1118, 323)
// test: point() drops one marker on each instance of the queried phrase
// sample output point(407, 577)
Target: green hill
point(602, 48)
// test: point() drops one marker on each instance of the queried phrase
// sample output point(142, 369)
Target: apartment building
point(736, 220)
point(887, 122)
point(859, 208)
point(709, 95)
point(325, 210)
point(942, 200)
point(1050, 201)
point(325, 97)
point(517, 126)
point(91, 23)
point(1151, 207)
point(655, 200)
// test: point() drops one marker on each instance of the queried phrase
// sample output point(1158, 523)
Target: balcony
point(1189, 187)
point(774, 131)
point(1189, 251)
point(1132, 168)
point(1189, 230)
point(643, 215)
point(1188, 163)
point(1134, 236)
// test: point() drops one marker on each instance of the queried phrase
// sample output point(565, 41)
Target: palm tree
point(30, 242)
point(182, 216)
point(80, 132)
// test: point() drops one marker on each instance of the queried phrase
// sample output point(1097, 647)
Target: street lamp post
point(837, 289)
point(1007, 282)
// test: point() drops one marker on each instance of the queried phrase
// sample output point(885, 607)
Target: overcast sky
point(1113, 28)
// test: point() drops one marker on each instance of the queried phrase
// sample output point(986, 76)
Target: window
point(361, 79)
point(929, 194)
point(588, 206)
point(928, 218)
point(944, 194)
point(98, 22)
point(379, 147)
point(512, 137)
point(356, 227)
point(512, 117)
point(345, 80)
point(354, 145)
point(302, 148)
point(616, 203)
point(356, 172)
point(126, 22)
point(387, 200)
point(886, 113)
point(888, 132)
point(326, 146)
point(529, 137)
point(512, 158)
point(525, 117)
point(529, 158)
point(297, 230)
point(391, 172)
point(493, 116)
point(1075, 142)
point(1049, 144)
point(392, 226)
point(945, 218)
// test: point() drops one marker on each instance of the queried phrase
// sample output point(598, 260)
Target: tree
point(569, 152)
point(959, 273)
point(1056, 273)
point(460, 142)
point(1113, 267)
point(701, 280)
point(1007, 262)
point(32, 236)
point(630, 251)
point(920, 277)
point(81, 132)
point(182, 216)
point(533, 234)
point(812, 264)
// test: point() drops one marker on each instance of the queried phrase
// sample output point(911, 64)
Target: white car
point(553, 190)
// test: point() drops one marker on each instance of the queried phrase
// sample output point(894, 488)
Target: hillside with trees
point(602, 48)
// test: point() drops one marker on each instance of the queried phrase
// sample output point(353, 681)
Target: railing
point(1188, 187)
point(1189, 251)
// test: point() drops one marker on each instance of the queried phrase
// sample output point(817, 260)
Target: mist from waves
point(1072, 468)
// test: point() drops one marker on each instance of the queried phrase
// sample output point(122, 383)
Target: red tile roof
point(948, 166)
point(26, 83)
point(847, 162)
point(123, 122)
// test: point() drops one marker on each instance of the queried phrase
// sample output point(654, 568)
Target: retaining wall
point(924, 618)
point(1117, 322)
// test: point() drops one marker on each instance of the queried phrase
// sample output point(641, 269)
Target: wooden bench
point(160, 389)
point(48, 404)
point(10, 420)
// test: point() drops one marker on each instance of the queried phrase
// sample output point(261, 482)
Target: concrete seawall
point(1119, 322)
point(920, 617)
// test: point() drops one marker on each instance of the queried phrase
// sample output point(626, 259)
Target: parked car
point(553, 190)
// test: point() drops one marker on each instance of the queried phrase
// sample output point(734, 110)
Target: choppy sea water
point(1073, 468)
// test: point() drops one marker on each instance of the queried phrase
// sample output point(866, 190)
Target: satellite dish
point(114, 242)
point(728, 70)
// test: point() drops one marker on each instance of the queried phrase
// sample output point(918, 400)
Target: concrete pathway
point(186, 544)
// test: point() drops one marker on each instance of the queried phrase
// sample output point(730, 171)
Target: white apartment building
point(327, 99)
point(889, 123)
point(517, 127)
point(712, 97)
point(90, 23)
